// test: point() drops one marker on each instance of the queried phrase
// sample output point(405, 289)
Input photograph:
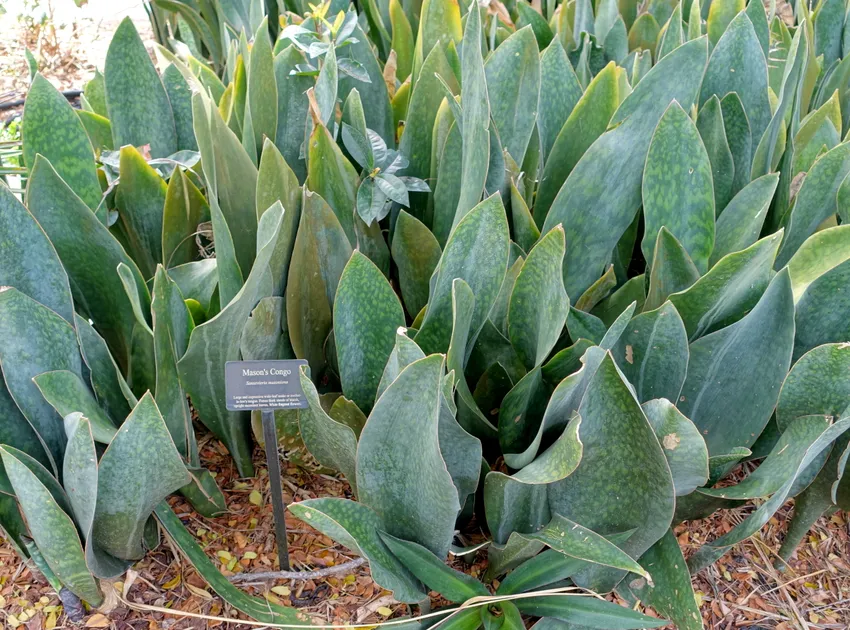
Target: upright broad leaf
point(595, 209)
point(821, 311)
point(367, 314)
point(677, 190)
point(816, 384)
point(333, 177)
point(741, 222)
point(218, 340)
point(720, 14)
point(33, 340)
point(476, 118)
point(139, 469)
point(477, 252)
point(262, 87)
point(52, 530)
point(140, 199)
point(587, 121)
point(357, 527)
point(683, 445)
point(28, 260)
point(559, 93)
point(730, 288)
point(737, 64)
point(740, 138)
point(292, 107)
point(184, 205)
point(180, 97)
point(605, 493)
point(138, 106)
point(409, 487)
point(321, 251)
point(67, 393)
point(653, 353)
point(539, 304)
point(822, 251)
point(108, 384)
point(713, 134)
point(672, 270)
point(276, 181)
point(513, 80)
point(439, 23)
point(717, 395)
point(672, 35)
point(52, 129)
point(416, 254)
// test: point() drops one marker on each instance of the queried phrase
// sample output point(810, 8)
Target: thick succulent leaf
point(587, 121)
point(513, 80)
point(184, 205)
point(97, 288)
point(265, 336)
point(52, 530)
point(433, 572)
point(405, 351)
point(741, 222)
point(332, 443)
point(653, 354)
point(140, 200)
point(677, 188)
point(402, 40)
point(576, 541)
point(262, 87)
point(582, 610)
point(581, 325)
point(545, 568)
point(713, 135)
point(461, 451)
point(559, 93)
point(539, 303)
point(320, 253)
point(670, 592)
point(672, 35)
point(366, 315)
point(816, 200)
point(292, 106)
point(333, 177)
point(822, 251)
point(67, 393)
point(604, 492)
point(276, 181)
point(98, 130)
point(138, 105)
point(256, 608)
point(821, 311)
point(737, 64)
point(815, 443)
point(34, 340)
point(231, 178)
point(594, 221)
point(108, 384)
point(740, 138)
point(357, 527)
point(730, 288)
point(52, 129)
point(416, 254)
point(476, 120)
point(409, 488)
point(139, 469)
point(682, 443)
point(477, 253)
point(499, 313)
point(816, 384)
point(28, 260)
point(717, 395)
point(198, 280)
point(520, 414)
point(180, 96)
point(218, 340)
point(672, 270)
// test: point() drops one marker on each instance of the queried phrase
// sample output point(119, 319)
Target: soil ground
point(742, 590)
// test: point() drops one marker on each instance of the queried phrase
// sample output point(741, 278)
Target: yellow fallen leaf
point(199, 592)
point(281, 590)
point(256, 498)
point(384, 611)
point(249, 555)
point(50, 622)
point(97, 621)
point(171, 583)
point(12, 621)
point(224, 555)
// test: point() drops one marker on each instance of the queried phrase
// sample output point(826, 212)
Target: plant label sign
point(264, 385)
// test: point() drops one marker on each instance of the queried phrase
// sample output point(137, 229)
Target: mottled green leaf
point(644, 33)
point(682, 443)
point(672, 35)
point(559, 93)
point(740, 139)
point(180, 96)
point(822, 311)
point(416, 254)
point(741, 222)
point(713, 134)
point(184, 205)
point(292, 106)
point(528, 16)
point(718, 396)
point(333, 177)
point(402, 40)
point(51, 128)
point(98, 129)
point(198, 281)
point(67, 393)
point(672, 270)
point(262, 87)
point(136, 100)
point(720, 14)
point(822, 251)
point(276, 181)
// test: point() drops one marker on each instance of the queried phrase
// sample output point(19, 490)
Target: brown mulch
point(742, 590)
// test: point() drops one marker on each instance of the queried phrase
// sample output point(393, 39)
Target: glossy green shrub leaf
point(677, 188)
point(653, 353)
point(138, 105)
point(453, 585)
point(322, 247)
point(52, 129)
point(477, 253)
point(367, 314)
point(416, 254)
point(672, 270)
point(409, 487)
point(717, 395)
point(741, 222)
point(218, 340)
point(604, 491)
point(357, 527)
point(539, 304)
point(52, 529)
point(594, 222)
point(28, 260)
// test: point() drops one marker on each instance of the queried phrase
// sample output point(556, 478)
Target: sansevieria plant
point(555, 271)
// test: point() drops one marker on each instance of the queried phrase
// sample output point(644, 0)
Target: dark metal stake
point(270, 437)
